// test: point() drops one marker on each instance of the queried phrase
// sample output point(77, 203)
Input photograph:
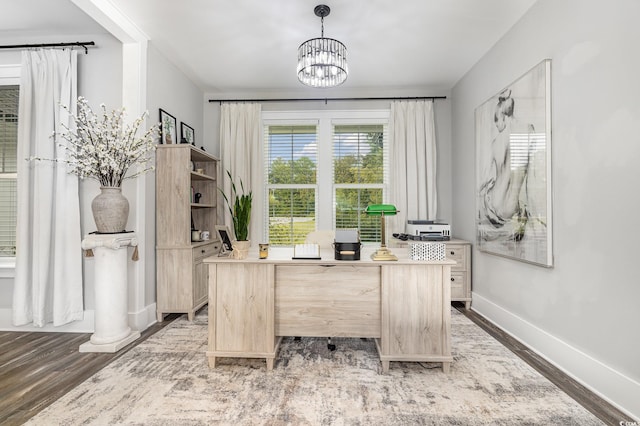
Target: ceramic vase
point(240, 249)
point(110, 210)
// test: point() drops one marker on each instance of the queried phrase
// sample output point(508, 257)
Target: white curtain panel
point(241, 153)
point(413, 163)
point(48, 282)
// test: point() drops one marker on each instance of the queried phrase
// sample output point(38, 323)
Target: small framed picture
point(225, 237)
point(187, 135)
point(168, 130)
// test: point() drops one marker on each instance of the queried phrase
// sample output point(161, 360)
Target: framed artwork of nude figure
point(513, 170)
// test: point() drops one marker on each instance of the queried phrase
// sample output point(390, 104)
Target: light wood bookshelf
point(181, 283)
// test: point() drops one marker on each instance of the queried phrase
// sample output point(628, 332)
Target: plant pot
point(240, 249)
point(110, 210)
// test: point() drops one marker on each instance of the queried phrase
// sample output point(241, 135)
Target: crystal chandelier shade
point(322, 62)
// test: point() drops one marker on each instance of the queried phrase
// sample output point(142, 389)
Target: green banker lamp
point(382, 210)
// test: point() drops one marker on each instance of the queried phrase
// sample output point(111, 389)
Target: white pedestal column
point(112, 331)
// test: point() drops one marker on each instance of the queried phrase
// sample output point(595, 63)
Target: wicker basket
point(426, 251)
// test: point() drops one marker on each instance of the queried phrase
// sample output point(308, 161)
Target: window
point(291, 166)
point(322, 171)
point(8, 172)
point(359, 153)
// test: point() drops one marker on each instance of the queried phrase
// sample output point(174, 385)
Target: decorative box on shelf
point(426, 251)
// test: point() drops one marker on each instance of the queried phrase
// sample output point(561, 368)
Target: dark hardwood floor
point(606, 412)
point(38, 368)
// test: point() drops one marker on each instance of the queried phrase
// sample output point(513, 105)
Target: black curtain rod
point(328, 99)
point(28, 46)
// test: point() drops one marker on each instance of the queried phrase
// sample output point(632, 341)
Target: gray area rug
point(166, 380)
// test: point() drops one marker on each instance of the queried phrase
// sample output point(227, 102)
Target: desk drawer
point(206, 250)
point(455, 252)
point(459, 253)
point(457, 285)
point(330, 301)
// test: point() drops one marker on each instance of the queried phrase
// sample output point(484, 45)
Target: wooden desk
point(403, 305)
point(460, 251)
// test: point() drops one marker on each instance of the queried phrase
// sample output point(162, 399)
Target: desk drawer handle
point(452, 253)
point(453, 279)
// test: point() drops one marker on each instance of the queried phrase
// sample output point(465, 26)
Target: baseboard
point(144, 318)
point(612, 386)
point(140, 321)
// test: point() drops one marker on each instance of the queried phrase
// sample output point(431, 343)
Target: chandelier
point(322, 62)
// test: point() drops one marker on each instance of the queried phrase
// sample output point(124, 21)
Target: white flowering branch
point(103, 148)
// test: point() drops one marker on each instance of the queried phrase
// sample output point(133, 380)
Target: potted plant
point(240, 211)
point(101, 147)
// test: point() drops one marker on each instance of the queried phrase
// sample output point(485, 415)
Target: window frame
point(325, 120)
point(9, 76)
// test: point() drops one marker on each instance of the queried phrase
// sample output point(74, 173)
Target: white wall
point(168, 88)
point(100, 81)
point(582, 314)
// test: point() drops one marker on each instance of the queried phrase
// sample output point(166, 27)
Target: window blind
point(291, 187)
point(360, 175)
point(8, 164)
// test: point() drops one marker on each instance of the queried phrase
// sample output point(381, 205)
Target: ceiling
point(25, 19)
point(250, 46)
